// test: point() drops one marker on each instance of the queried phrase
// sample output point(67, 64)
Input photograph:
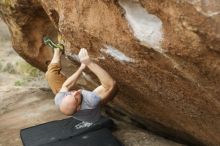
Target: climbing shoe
point(51, 44)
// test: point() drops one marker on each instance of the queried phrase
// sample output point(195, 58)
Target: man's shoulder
point(89, 99)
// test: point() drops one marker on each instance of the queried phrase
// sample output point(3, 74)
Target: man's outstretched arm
point(108, 84)
point(71, 81)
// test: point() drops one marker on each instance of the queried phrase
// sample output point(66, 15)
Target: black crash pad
point(70, 132)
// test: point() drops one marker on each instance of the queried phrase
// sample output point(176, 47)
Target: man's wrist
point(89, 63)
point(82, 67)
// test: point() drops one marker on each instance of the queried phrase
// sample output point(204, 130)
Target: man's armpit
point(104, 94)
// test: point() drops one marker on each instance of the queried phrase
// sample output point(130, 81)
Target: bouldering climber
point(82, 104)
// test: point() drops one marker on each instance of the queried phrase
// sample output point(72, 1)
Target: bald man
point(82, 104)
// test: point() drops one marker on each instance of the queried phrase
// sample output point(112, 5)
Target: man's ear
point(78, 108)
point(78, 91)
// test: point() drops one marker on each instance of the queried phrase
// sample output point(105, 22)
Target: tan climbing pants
point(54, 77)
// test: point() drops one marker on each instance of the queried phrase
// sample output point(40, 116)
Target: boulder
point(164, 55)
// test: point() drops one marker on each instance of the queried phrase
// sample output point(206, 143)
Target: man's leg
point(53, 75)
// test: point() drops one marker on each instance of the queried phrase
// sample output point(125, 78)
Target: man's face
point(71, 103)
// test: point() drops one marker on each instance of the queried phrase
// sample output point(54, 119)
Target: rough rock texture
point(164, 55)
point(33, 103)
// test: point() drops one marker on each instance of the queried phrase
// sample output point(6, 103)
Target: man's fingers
point(84, 52)
point(80, 55)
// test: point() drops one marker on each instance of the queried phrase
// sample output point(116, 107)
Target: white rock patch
point(118, 55)
point(146, 27)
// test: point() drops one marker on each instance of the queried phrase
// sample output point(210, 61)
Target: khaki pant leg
point(54, 77)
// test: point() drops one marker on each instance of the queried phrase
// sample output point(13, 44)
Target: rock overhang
point(176, 87)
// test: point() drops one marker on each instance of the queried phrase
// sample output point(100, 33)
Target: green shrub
point(25, 68)
point(19, 83)
point(9, 68)
point(1, 66)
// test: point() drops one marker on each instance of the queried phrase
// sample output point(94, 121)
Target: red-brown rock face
point(164, 55)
